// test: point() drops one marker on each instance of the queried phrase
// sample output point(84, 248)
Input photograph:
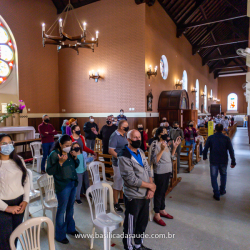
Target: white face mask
point(67, 149)
point(121, 113)
point(92, 120)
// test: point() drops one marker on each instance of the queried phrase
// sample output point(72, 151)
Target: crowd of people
point(136, 178)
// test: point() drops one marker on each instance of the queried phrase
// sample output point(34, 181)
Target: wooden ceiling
point(215, 29)
point(61, 4)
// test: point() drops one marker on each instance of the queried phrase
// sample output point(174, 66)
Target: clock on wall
point(164, 67)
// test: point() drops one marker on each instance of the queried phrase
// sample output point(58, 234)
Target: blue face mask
point(7, 149)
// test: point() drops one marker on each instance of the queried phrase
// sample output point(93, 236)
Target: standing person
point(138, 189)
point(62, 164)
point(201, 122)
point(121, 116)
point(144, 137)
point(225, 123)
point(116, 142)
point(81, 170)
point(47, 132)
point(89, 128)
point(72, 122)
point(161, 158)
point(164, 119)
point(219, 145)
point(14, 190)
point(115, 121)
point(105, 133)
point(190, 133)
point(76, 136)
point(176, 132)
point(64, 126)
point(245, 121)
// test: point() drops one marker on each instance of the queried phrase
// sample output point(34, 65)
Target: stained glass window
point(185, 80)
point(7, 54)
point(205, 97)
point(232, 102)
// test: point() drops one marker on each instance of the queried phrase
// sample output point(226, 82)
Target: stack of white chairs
point(105, 222)
point(49, 202)
point(28, 234)
point(36, 155)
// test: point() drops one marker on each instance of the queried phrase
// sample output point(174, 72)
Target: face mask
point(140, 129)
point(175, 127)
point(108, 122)
point(168, 140)
point(78, 132)
point(67, 149)
point(121, 113)
point(164, 137)
point(7, 149)
point(91, 120)
point(46, 120)
point(126, 129)
point(191, 125)
point(136, 144)
point(77, 149)
point(164, 120)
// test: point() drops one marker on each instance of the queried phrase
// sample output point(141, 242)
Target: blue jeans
point(214, 170)
point(46, 150)
point(189, 143)
point(245, 124)
point(65, 222)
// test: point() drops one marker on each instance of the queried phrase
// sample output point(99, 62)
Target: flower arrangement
point(13, 108)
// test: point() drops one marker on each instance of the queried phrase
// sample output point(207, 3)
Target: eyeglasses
point(5, 143)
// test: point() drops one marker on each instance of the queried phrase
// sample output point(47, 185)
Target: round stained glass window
point(6, 54)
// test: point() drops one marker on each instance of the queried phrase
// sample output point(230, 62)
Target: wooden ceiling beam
point(181, 28)
point(222, 57)
point(227, 67)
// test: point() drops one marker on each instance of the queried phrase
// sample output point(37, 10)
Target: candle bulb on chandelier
point(92, 72)
point(155, 68)
point(43, 27)
point(97, 32)
point(84, 26)
point(60, 22)
point(150, 67)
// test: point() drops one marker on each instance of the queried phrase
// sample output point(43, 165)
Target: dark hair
point(120, 123)
point(13, 156)
point(226, 117)
point(158, 132)
point(176, 122)
point(74, 143)
point(74, 127)
point(121, 110)
point(219, 127)
point(62, 140)
point(189, 122)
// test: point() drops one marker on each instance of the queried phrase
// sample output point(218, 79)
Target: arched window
point(7, 53)
point(232, 102)
point(211, 93)
point(205, 98)
point(185, 80)
point(197, 97)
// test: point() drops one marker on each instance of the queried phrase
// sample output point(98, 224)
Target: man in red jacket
point(47, 132)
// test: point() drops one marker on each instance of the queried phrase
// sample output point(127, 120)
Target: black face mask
point(175, 127)
point(164, 120)
point(77, 149)
point(136, 144)
point(164, 137)
point(168, 140)
point(46, 120)
point(191, 125)
point(140, 129)
point(108, 122)
point(78, 132)
point(126, 129)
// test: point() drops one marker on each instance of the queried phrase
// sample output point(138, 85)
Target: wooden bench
point(100, 157)
point(187, 156)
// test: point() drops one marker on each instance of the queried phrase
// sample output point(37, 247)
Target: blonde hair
point(154, 131)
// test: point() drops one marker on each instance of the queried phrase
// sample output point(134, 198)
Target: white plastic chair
point(49, 202)
point(106, 222)
point(28, 234)
point(33, 195)
point(36, 155)
point(95, 176)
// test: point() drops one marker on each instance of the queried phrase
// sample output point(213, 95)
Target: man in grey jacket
point(174, 133)
point(138, 188)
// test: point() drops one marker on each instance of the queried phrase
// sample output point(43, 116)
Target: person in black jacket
point(91, 130)
point(219, 144)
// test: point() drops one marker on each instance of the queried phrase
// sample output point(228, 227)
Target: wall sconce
point(193, 90)
point(150, 72)
point(95, 76)
point(203, 95)
point(210, 97)
point(178, 83)
point(218, 100)
point(215, 99)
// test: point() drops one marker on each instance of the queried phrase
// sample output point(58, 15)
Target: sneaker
point(118, 208)
point(223, 192)
point(142, 248)
point(216, 198)
point(74, 233)
point(64, 241)
point(121, 201)
point(78, 202)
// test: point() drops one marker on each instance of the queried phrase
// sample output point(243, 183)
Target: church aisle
point(200, 222)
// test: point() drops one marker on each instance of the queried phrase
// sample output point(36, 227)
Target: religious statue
point(149, 101)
